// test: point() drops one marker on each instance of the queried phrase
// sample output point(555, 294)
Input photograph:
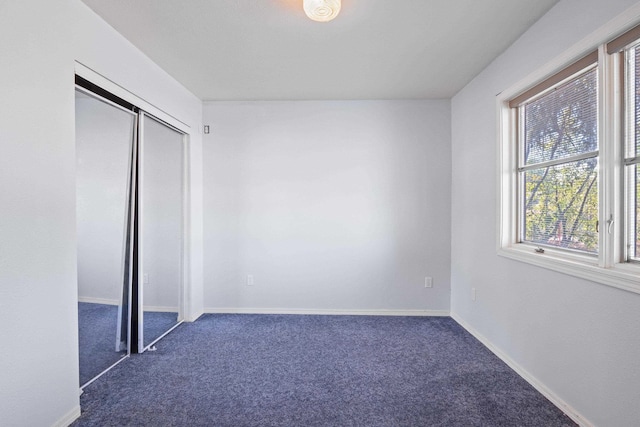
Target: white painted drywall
point(39, 41)
point(580, 339)
point(330, 205)
point(104, 139)
point(39, 364)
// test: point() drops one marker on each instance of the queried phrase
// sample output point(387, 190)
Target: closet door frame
point(149, 109)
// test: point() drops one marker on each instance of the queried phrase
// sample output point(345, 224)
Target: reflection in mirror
point(161, 192)
point(104, 139)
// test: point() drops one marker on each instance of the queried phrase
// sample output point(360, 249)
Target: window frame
point(609, 265)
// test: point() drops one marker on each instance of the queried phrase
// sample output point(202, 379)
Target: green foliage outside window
point(561, 200)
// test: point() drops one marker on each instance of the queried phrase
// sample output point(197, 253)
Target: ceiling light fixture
point(321, 10)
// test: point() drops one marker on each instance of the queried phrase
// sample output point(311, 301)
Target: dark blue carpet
point(281, 370)
point(157, 323)
point(97, 325)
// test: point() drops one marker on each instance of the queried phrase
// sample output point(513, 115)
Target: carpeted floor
point(157, 323)
point(280, 370)
point(97, 325)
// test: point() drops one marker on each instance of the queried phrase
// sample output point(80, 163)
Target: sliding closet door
point(160, 244)
point(104, 146)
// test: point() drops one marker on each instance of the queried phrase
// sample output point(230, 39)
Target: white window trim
point(603, 268)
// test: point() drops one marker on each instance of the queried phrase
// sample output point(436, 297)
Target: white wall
point(579, 339)
point(39, 41)
point(331, 205)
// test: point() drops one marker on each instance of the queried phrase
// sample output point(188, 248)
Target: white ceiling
point(269, 50)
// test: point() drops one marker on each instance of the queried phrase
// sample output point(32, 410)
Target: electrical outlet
point(473, 294)
point(146, 278)
point(428, 282)
point(249, 279)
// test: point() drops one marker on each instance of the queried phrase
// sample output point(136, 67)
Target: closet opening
point(130, 210)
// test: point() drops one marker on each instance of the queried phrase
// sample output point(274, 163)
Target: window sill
point(622, 276)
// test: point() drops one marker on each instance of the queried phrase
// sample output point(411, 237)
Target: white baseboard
point(537, 384)
point(68, 418)
point(329, 312)
point(159, 308)
point(95, 300)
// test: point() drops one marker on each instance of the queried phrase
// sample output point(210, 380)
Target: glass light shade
point(321, 10)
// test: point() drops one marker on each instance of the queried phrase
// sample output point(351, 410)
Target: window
point(558, 151)
point(569, 180)
point(631, 159)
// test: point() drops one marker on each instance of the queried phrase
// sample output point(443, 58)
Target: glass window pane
point(564, 122)
point(637, 213)
point(561, 205)
point(634, 152)
point(633, 194)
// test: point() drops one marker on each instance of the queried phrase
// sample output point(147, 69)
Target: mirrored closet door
point(130, 223)
point(160, 242)
point(105, 142)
